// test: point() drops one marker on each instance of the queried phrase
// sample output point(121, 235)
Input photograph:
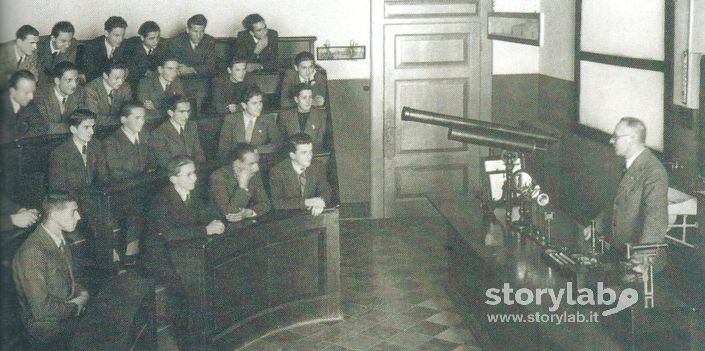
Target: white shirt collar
point(59, 94)
point(108, 47)
point(176, 126)
point(193, 45)
point(247, 117)
point(18, 54)
point(133, 137)
point(254, 37)
point(58, 238)
point(298, 169)
point(163, 82)
point(15, 105)
point(630, 160)
point(79, 145)
point(146, 49)
point(182, 194)
point(108, 89)
point(51, 46)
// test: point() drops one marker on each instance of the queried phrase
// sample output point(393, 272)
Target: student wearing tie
point(154, 90)
point(304, 71)
point(126, 156)
point(99, 51)
point(303, 118)
point(78, 163)
point(58, 100)
point(249, 126)
point(143, 52)
point(19, 54)
point(51, 299)
point(300, 183)
point(106, 94)
point(177, 136)
point(178, 212)
point(53, 49)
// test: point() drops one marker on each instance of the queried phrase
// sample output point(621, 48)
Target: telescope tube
point(494, 139)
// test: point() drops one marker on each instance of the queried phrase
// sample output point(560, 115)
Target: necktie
point(112, 51)
point(67, 256)
point(150, 52)
point(249, 129)
point(302, 183)
point(53, 57)
point(62, 106)
point(188, 200)
point(19, 63)
point(166, 87)
point(84, 153)
point(110, 97)
point(303, 118)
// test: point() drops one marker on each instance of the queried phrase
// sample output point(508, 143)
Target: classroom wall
point(334, 22)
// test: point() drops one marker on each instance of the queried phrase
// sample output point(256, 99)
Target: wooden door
point(435, 65)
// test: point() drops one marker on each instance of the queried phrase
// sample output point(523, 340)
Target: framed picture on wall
point(517, 27)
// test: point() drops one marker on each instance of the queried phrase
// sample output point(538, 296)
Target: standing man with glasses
point(639, 213)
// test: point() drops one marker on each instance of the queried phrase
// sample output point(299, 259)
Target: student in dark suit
point(228, 87)
point(79, 162)
point(298, 183)
point(12, 216)
point(19, 54)
point(53, 49)
point(143, 52)
point(20, 116)
point(154, 90)
point(303, 118)
point(237, 188)
point(99, 51)
point(639, 214)
point(58, 100)
point(177, 136)
point(249, 126)
point(106, 94)
point(195, 51)
point(177, 212)
point(126, 156)
point(304, 71)
point(258, 44)
point(51, 299)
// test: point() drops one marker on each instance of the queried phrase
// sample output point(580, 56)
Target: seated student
point(177, 212)
point(154, 90)
point(106, 94)
point(177, 136)
point(195, 51)
point(20, 116)
point(143, 52)
point(19, 54)
point(58, 100)
point(101, 50)
point(228, 87)
point(258, 44)
point(298, 183)
point(304, 72)
point(126, 156)
point(303, 118)
point(237, 188)
point(249, 126)
point(43, 271)
point(79, 162)
point(53, 49)
point(12, 216)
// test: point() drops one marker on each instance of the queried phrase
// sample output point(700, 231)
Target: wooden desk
point(262, 276)
point(482, 256)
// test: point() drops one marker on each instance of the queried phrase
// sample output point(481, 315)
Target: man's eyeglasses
point(617, 136)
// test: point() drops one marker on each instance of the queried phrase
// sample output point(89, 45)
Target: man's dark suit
point(291, 79)
point(150, 88)
point(43, 276)
point(315, 125)
point(9, 64)
point(94, 57)
point(98, 102)
point(171, 219)
point(286, 189)
point(245, 48)
point(50, 107)
point(202, 59)
point(67, 171)
point(265, 135)
point(139, 61)
point(26, 122)
point(47, 61)
point(230, 198)
point(640, 214)
point(166, 143)
point(225, 92)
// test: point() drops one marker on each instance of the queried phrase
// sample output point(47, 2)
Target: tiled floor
point(392, 293)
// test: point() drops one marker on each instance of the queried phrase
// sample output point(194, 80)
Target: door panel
point(434, 67)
